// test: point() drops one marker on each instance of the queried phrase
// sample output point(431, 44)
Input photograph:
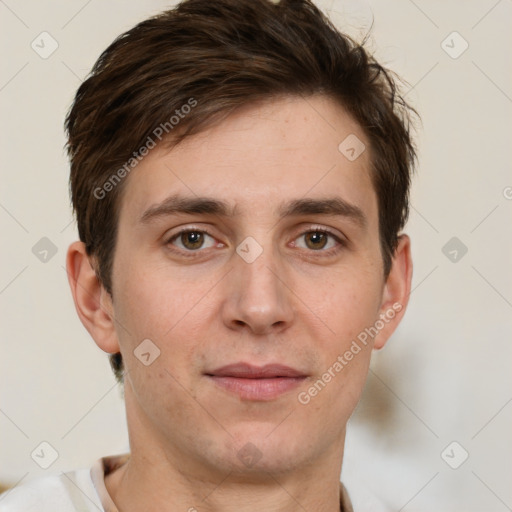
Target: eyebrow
point(333, 206)
point(178, 204)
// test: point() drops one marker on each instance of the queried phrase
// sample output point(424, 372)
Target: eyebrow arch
point(176, 204)
point(179, 204)
point(335, 206)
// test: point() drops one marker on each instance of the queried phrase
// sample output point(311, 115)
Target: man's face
point(262, 283)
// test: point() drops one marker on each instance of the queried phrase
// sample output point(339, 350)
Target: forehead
point(258, 157)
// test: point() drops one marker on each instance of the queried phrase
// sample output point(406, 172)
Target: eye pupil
point(316, 240)
point(192, 239)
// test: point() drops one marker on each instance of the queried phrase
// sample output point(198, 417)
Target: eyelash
point(192, 253)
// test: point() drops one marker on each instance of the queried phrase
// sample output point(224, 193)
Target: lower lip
point(258, 389)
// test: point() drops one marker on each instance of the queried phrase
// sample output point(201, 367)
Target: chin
point(265, 449)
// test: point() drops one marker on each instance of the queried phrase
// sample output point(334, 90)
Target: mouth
point(257, 383)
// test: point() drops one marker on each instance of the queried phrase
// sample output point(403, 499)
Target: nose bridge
point(258, 299)
point(261, 274)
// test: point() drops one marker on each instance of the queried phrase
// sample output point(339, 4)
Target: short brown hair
point(216, 56)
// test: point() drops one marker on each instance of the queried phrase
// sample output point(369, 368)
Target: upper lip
point(249, 371)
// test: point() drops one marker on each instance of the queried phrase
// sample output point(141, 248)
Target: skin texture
point(299, 303)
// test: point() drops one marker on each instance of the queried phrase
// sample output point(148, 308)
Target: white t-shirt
point(84, 490)
point(68, 492)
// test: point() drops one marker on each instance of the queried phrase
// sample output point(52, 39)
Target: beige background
point(444, 377)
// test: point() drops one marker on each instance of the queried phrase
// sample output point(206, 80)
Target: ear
point(397, 289)
point(92, 302)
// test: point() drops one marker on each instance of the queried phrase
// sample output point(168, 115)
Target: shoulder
point(361, 498)
point(67, 492)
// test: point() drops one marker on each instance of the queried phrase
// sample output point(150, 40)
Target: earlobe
point(92, 302)
point(396, 291)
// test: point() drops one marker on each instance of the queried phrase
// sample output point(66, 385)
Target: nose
point(257, 298)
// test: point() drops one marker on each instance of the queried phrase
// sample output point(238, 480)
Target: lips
point(258, 383)
point(247, 371)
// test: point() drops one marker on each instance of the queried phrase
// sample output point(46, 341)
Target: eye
point(192, 240)
point(318, 240)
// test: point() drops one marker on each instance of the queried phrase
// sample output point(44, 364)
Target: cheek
point(348, 305)
point(150, 304)
point(165, 307)
point(348, 301)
